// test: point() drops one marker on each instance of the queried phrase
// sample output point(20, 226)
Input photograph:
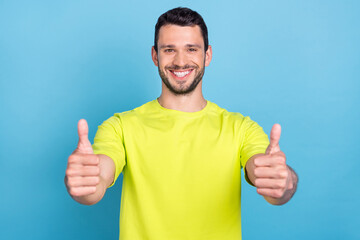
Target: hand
point(272, 175)
point(83, 172)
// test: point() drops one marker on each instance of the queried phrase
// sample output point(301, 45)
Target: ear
point(154, 56)
point(208, 56)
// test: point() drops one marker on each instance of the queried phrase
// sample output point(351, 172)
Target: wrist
point(293, 179)
point(289, 190)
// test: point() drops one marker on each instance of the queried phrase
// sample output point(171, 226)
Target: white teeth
point(181, 74)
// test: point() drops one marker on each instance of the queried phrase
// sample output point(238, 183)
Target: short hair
point(182, 17)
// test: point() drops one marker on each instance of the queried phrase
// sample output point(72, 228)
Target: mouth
point(180, 75)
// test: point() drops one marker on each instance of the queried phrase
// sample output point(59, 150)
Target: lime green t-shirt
point(181, 170)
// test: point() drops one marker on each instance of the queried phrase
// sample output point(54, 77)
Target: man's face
point(181, 57)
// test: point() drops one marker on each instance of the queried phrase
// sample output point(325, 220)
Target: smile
point(181, 74)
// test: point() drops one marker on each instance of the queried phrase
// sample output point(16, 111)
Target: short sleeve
point(254, 141)
point(110, 142)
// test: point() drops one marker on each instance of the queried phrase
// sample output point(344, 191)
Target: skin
point(180, 49)
point(269, 173)
point(88, 175)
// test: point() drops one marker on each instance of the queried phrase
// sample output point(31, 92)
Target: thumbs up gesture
point(273, 178)
point(83, 172)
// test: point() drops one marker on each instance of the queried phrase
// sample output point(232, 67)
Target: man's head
point(181, 50)
point(184, 17)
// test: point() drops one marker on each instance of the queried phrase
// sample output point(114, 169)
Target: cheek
point(164, 61)
point(200, 59)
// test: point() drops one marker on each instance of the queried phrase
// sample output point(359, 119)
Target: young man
point(180, 154)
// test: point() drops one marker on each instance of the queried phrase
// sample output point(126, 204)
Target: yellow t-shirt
point(181, 170)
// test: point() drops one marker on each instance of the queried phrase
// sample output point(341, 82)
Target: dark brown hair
point(182, 17)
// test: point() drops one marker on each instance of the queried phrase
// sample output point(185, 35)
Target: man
point(180, 154)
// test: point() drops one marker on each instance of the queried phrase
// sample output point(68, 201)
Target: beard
point(182, 89)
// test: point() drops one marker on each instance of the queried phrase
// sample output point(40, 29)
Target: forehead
point(179, 35)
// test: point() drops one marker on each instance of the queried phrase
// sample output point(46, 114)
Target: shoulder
point(224, 113)
point(143, 110)
point(235, 117)
point(117, 122)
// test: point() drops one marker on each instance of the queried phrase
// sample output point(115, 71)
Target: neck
point(192, 102)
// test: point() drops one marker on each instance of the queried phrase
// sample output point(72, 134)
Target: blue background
point(292, 62)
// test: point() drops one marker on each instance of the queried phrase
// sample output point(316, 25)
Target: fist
point(82, 173)
point(272, 175)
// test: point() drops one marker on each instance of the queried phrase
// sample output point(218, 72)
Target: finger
point(269, 192)
point(83, 181)
point(84, 145)
point(270, 172)
point(84, 171)
point(274, 139)
point(83, 159)
point(270, 183)
point(82, 191)
point(270, 160)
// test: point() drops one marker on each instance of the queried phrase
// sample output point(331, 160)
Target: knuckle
point(72, 158)
point(256, 172)
point(281, 184)
point(70, 183)
point(283, 174)
point(93, 170)
point(73, 192)
point(94, 158)
point(280, 161)
point(282, 154)
point(91, 181)
point(73, 182)
point(97, 180)
point(278, 193)
point(257, 161)
point(68, 172)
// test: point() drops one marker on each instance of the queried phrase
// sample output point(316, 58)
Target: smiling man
point(181, 155)
point(183, 60)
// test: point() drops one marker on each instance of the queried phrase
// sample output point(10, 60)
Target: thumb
point(84, 145)
point(274, 139)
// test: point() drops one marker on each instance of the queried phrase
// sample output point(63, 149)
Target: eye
point(169, 50)
point(192, 49)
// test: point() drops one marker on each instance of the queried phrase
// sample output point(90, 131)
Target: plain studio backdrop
point(296, 63)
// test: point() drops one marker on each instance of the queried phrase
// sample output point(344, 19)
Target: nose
point(179, 59)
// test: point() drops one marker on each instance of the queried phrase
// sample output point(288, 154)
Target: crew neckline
point(178, 112)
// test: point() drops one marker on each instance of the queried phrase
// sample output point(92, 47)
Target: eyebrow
point(173, 46)
point(193, 45)
point(167, 46)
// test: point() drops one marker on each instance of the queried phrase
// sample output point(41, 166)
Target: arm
point(88, 175)
point(269, 173)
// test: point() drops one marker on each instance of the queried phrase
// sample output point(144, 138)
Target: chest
point(181, 147)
